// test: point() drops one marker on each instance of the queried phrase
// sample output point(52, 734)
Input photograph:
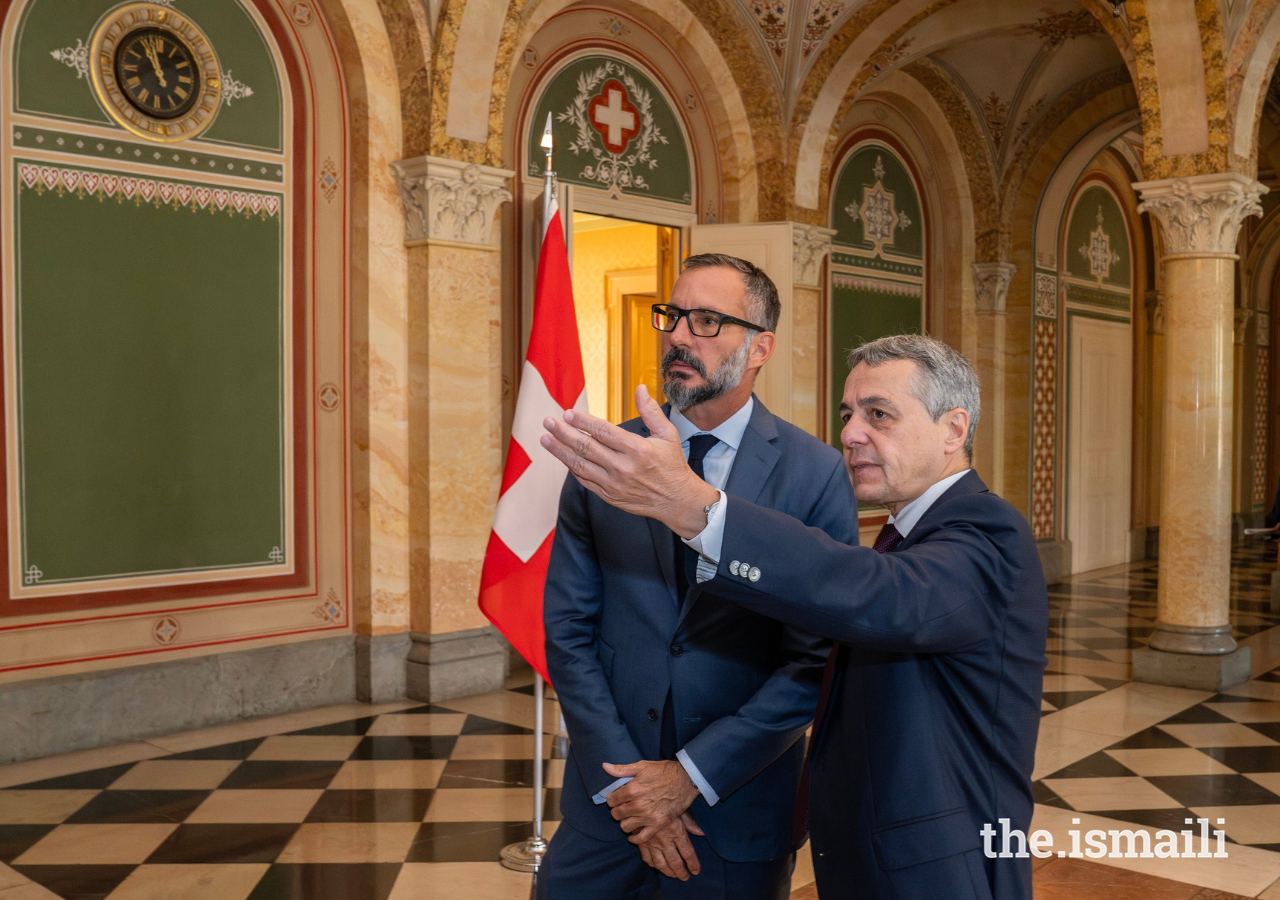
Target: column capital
point(450, 201)
point(1243, 315)
point(1201, 214)
point(1154, 303)
point(809, 243)
point(991, 281)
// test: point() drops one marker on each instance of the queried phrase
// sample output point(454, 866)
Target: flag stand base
point(524, 856)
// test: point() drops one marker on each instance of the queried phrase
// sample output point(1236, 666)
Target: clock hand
point(155, 62)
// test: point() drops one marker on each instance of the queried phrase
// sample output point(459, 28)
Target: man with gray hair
point(925, 734)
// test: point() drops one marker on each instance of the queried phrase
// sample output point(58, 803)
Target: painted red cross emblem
point(612, 114)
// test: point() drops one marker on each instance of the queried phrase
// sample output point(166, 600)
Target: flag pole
point(526, 856)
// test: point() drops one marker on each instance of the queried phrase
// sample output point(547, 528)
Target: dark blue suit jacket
point(930, 729)
point(743, 686)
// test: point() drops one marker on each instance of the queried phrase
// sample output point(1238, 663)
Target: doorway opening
point(621, 267)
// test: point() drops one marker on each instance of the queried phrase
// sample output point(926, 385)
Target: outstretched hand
point(645, 476)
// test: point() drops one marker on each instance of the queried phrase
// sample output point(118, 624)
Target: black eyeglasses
point(702, 322)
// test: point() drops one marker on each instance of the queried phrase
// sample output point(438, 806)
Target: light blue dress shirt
point(716, 466)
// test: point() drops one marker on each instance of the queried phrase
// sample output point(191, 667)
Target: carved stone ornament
point(1201, 214)
point(1262, 333)
point(450, 200)
point(1154, 303)
point(809, 243)
point(1243, 315)
point(991, 281)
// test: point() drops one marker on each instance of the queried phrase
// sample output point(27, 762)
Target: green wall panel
point(899, 204)
point(151, 385)
point(858, 315)
point(652, 163)
point(1098, 227)
point(46, 85)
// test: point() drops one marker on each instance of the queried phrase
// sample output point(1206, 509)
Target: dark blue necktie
point(686, 560)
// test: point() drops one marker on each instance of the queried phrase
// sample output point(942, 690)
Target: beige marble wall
point(380, 341)
point(457, 428)
point(806, 376)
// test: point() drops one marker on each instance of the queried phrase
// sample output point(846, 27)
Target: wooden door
point(1099, 424)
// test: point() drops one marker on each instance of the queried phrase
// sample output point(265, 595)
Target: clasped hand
point(653, 809)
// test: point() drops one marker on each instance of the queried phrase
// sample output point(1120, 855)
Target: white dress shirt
point(716, 466)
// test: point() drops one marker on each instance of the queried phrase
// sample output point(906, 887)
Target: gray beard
point(726, 377)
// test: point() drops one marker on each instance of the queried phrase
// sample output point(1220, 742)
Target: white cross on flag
point(515, 564)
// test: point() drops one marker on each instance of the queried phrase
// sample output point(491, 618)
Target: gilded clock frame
point(124, 20)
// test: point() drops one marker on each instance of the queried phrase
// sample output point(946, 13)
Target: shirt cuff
point(708, 793)
point(708, 541)
point(600, 797)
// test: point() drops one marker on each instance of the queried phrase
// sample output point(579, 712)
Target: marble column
point(1200, 217)
point(991, 292)
point(455, 418)
point(810, 245)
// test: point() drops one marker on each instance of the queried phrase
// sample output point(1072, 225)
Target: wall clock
point(154, 72)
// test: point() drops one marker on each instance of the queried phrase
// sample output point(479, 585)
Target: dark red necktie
point(886, 542)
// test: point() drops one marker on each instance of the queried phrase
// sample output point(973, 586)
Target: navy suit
point(930, 728)
point(743, 686)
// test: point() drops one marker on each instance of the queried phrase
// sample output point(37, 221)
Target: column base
point(455, 664)
point(1275, 592)
point(1191, 670)
point(1210, 640)
point(1055, 559)
point(380, 666)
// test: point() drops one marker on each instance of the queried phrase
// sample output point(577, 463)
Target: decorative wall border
point(94, 631)
point(107, 186)
point(1044, 430)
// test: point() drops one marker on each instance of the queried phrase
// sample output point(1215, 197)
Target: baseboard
point(1055, 559)
point(75, 712)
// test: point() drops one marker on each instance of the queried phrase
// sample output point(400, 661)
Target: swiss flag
point(515, 564)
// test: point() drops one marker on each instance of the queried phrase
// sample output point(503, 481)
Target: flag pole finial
point(548, 144)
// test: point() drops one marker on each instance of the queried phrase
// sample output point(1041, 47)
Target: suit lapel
point(969, 484)
point(756, 459)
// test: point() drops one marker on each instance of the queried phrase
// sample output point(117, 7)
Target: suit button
point(677, 650)
point(653, 715)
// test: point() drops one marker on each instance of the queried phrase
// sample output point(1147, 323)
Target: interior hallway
point(406, 801)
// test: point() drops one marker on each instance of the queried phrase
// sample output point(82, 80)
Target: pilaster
point(810, 246)
point(455, 416)
point(991, 291)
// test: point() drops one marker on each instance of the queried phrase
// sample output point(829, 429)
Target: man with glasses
point(683, 708)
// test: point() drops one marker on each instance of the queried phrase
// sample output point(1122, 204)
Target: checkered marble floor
point(407, 800)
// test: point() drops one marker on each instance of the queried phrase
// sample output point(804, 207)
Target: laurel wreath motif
point(614, 171)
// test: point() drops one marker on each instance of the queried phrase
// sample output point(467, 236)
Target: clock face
point(154, 72)
point(157, 72)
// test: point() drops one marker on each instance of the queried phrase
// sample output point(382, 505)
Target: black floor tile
point(234, 750)
point(1042, 793)
point(93, 779)
point(397, 747)
point(1063, 699)
point(1270, 729)
point(1196, 715)
point(551, 806)
point(224, 843)
point(481, 725)
point(1247, 759)
point(162, 807)
point(350, 727)
point(1148, 739)
point(488, 773)
point(1213, 790)
point(78, 882)
point(1099, 765)
point(1274, 848)
point(1108, 683)
point(16, 839)
point(1119, 642)
point(1172, 819)
point(371, 806)
point(327, 881)
point(428, 710)
point(466, 841)
point(1230, 698)
point(295, 774)
point(1081, 654)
